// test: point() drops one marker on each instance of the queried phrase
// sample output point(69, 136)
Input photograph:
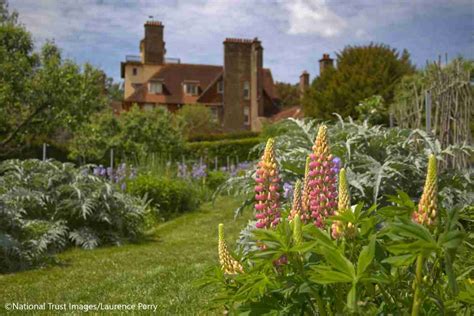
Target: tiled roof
point(294, 111)
point(173, 75)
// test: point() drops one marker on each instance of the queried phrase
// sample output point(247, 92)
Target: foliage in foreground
point(48, 206)
point(317, 259)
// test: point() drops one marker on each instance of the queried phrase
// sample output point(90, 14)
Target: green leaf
point(415, 247)
point(339, 262)
point(352, 298)
point(326, 275)
point(398, 261)
point(407, 228)
point(321, 236)
point(366, 256)
point(451, 240)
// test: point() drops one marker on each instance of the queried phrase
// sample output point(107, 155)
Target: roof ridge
point(188, 64)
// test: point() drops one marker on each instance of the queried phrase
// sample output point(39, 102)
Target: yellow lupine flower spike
point(228, 264)
point(343, 204)
point(427, 207)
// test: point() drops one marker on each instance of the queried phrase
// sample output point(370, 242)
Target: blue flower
point(287, 190)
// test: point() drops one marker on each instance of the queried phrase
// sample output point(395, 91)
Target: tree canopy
point(196, 119)
point(362, 72)
point(133, 134)
point(289, 94)
point(41, 93)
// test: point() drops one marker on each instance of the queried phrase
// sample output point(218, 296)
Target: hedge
point(223, 136)
point(232, 149)
point(168, 196)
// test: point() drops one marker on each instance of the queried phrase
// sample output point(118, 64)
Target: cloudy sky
point(294, 33)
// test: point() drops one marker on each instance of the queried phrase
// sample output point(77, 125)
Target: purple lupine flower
point(123, 186)
point(103, 171)
point(198, 170)
point(96, 171)
point(287, 190)
point(109, 172)
point(336, 165)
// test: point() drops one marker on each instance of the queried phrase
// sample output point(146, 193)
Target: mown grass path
point(160, 271)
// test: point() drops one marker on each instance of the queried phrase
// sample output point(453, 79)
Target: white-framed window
point(135, 71)
point(191, 88)
point(155, 87)
point(246, 115)
point(215, 114)
point(220, 86)
point(246, 90)
point(148, 106)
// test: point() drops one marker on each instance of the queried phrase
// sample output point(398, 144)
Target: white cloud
point(313, 17)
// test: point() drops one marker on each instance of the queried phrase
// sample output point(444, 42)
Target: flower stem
point(416, 298)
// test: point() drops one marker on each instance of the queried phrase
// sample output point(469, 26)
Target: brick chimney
point(325, 62)
point(304, 83)
point(152, 47)
point(243, 67)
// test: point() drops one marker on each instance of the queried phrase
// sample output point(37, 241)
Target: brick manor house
point(241, 93)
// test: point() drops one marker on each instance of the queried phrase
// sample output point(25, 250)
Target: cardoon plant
point(322, 179)
point(267, 189)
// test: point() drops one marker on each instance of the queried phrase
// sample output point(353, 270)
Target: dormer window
point(246, 90)
point(220, 86)
point(191, 88)
point(155, 87)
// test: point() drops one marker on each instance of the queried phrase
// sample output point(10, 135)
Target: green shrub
point(47, 206)
point(169, 196)
point(196, 119)
point(133, 134)
point(223, 136)
point(240, 149)
point(215, 178)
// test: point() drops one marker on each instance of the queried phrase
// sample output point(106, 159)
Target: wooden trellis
point(440, 100)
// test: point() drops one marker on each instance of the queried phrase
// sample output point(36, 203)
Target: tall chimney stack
point(304, 83)
point(152, 46)
point(325, 62)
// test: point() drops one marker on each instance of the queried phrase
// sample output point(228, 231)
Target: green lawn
point(160, 271)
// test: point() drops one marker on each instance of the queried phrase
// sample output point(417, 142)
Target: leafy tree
point(289, 94)
point(132, 134)
point(114, 90)
point(373, 110)
point(362, 71)
point(41, 93)
point(196, 119)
